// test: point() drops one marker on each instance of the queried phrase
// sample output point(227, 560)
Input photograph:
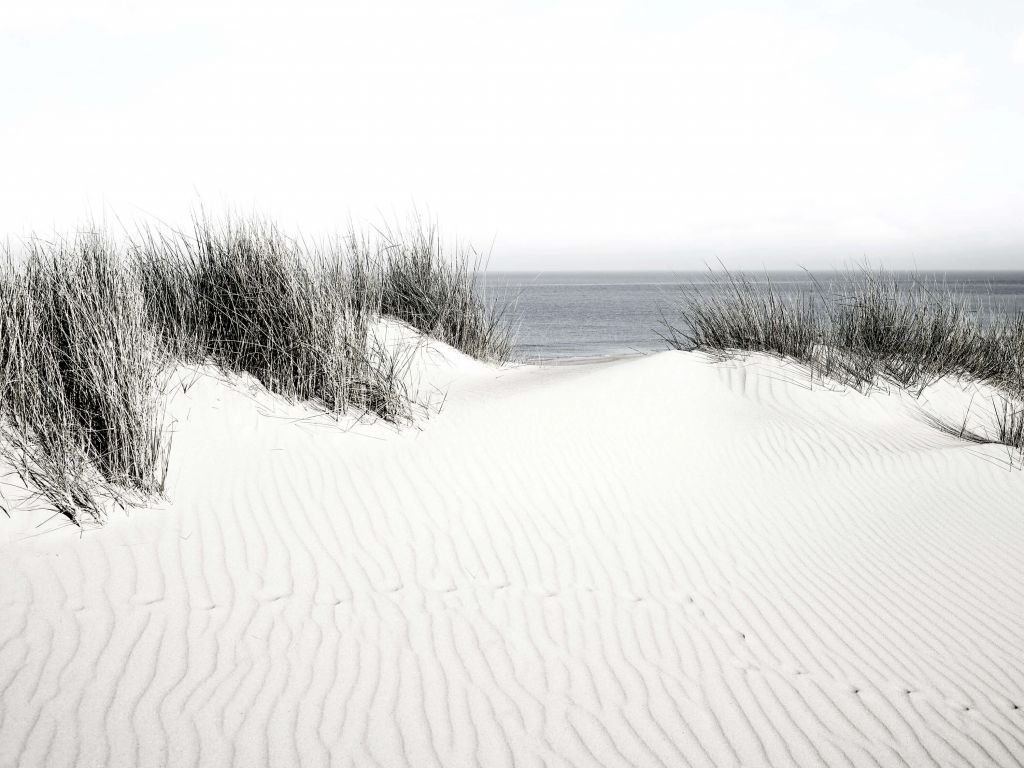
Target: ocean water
point(598, 314)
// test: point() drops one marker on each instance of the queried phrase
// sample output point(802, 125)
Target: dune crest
point(655, 561)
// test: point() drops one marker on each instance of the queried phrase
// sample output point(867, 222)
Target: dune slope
point(657, 561)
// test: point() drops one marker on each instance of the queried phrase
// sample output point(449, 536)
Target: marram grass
point(863, 328)
point(89, 328)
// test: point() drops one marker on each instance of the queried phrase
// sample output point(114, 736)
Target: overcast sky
point(594, 134)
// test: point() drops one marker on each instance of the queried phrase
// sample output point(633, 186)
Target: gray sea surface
point(563, 315)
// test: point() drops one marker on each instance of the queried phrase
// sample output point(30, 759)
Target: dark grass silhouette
point(861, 329)
point(90, 330)
point(243, 296)
point(442, 298)
point(79, 375)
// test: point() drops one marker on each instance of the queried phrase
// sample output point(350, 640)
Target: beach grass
point(862, 328)
point(79, 375)
point(243, 296)
point(91, 327)
point(441, 297)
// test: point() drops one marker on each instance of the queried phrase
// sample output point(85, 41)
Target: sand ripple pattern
point(655, 562)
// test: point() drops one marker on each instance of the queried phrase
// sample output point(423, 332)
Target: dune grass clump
point(911, 334)
point(90, 330)
point(735, 313)
point(438, 294)
point(246, 298)
point(860, 329)
point(79, 407)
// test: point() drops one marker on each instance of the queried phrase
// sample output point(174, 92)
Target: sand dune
point(655, 561)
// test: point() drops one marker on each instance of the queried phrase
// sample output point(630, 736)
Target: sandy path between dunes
point(660, 561)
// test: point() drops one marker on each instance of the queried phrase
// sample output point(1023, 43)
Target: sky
point(551, 135)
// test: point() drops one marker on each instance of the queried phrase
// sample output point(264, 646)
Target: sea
point(567, 315)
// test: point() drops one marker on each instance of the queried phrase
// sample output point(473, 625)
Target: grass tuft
point(78, 372)
point(89, 330)
point(861, 329)
point(1010, 423)
point(439, 295)
point(246, 298)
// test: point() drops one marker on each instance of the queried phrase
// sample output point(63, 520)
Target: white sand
point(660, 561)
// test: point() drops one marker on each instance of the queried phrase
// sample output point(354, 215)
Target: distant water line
point(601, 314)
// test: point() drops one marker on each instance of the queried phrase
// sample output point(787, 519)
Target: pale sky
point(571, 135)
